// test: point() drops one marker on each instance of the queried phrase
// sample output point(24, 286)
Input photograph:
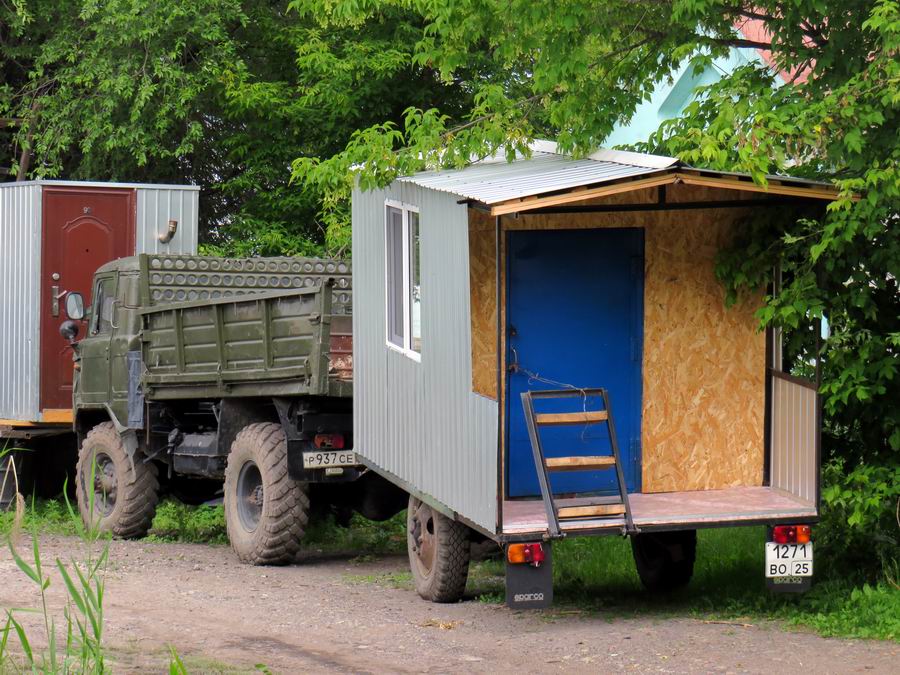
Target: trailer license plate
point(789, 560)
point(326, 458)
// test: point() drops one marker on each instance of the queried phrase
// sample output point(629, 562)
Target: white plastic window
point(403, 285)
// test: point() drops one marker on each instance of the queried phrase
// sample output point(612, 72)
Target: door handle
point(55, 297)
point(112, 314)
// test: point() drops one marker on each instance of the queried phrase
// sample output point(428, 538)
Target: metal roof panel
point(494, 182)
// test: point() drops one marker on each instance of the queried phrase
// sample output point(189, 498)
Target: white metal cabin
point(604, 278)
point(53, 235)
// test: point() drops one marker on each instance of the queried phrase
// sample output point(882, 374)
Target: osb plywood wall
point(482, 299)
point(704, 365)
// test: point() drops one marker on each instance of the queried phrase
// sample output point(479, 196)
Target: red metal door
point(84, 227)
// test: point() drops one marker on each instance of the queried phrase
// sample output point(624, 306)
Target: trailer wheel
point(266, 511)
point(119, 500)
point(665, 560)
point(438, 553)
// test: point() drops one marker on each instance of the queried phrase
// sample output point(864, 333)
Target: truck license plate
point(326, 458)
point(789, 560)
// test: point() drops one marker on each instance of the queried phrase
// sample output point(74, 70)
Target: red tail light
point(528, 554)
point(330, 441)
point(791, 534)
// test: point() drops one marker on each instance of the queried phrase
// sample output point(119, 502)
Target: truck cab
point(112, 330)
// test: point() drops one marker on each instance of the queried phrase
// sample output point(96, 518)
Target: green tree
point(221, 93)
point(572, 70)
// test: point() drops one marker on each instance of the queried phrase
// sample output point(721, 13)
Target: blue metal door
point(575, 319)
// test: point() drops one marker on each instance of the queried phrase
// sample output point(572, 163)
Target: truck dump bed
point(216, 328)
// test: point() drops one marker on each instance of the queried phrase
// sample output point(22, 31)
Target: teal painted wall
point(670, 98)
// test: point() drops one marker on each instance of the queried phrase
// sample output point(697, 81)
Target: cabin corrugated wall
point(156, 206)
point(420, 421)
point(20, 245)
point(794, 432)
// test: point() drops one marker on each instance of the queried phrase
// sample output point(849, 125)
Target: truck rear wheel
point(665, 560)
point(266, 511)
point(438, 553)
point(118, 500)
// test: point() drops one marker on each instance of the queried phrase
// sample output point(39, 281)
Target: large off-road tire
point(266, 511)
point(438, 553)
point(123, 495)
point(665, 560)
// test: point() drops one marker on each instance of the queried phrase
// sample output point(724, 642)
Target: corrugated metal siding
point(493, 182)
point(794, 431)
point(156, 206)
point(421, 421)
point(20, 242)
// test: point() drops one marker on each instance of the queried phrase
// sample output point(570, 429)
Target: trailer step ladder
point(596, 507)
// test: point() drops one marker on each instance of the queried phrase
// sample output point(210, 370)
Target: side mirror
point(69, 330)
point(74, 307)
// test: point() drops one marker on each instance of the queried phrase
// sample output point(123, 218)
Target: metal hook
point(514, 366)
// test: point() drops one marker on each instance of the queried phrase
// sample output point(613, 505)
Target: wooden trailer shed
point(481, 287)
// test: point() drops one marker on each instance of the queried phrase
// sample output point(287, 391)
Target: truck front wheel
point(665, 560)
point(115, 493)
point(438, 553)
point(266, 511)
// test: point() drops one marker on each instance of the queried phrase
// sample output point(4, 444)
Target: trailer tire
point(266, 511)
point(439, 552)
point(125, 490)
point(665, 560)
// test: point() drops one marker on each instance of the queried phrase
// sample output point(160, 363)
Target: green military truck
point(199, 371)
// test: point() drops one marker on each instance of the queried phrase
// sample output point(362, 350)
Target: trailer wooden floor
point(702, 508)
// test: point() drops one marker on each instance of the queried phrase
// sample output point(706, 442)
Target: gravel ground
point(328, 615)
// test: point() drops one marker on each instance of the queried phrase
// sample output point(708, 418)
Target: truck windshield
point(104, 301)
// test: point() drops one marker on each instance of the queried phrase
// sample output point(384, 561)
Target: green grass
point(364, 537)
point(393, 579)
point(597, 574)
point(47, 515)
point(177, 522)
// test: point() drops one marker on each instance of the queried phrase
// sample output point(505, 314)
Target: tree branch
point(525, 101)
point(742, 42)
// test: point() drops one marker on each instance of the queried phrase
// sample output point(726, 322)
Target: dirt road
point(326, 615)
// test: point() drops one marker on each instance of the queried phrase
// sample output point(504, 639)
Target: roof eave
point(683, 175)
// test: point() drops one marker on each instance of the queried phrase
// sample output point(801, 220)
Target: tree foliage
point(221, 93)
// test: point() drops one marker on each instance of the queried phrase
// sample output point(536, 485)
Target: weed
point(366, 537)
point(79, 647)
point(49, 516)
point(175, 521)
point(487, 581)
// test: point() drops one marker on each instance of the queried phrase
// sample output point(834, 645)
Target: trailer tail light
point(329, 441)
point(525, 554)
point(791, 534)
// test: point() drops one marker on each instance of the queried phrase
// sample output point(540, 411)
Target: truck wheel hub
point(422, 539)
point(105, 484)
point(250, 496)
